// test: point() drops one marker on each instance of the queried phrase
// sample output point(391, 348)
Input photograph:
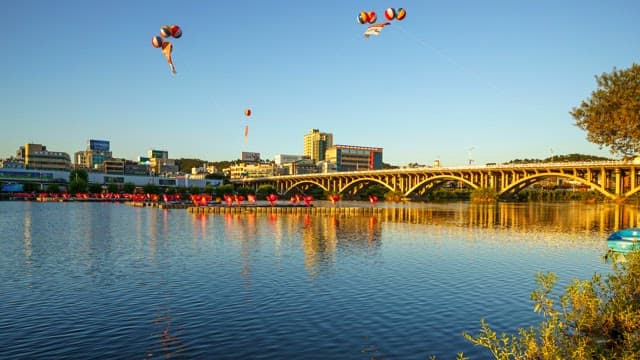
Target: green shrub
point(593, 319)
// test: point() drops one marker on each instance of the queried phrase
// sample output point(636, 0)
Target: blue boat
point(624, 240)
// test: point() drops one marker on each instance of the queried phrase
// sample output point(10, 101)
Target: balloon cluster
point(166, 31)
point(390, 14)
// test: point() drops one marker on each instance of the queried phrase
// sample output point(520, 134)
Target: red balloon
point(372, 17)
point(390, 13)
point(176, 32)
point(247, 112)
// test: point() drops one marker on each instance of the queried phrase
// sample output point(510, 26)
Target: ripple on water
point(118, 282)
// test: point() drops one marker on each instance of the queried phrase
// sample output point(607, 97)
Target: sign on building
point(98, 145)
point(250, 156)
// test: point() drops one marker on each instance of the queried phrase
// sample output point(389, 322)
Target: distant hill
point(561, 158)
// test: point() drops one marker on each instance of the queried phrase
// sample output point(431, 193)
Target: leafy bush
point(593, 319)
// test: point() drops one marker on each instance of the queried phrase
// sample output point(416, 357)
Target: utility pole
point(469, 154)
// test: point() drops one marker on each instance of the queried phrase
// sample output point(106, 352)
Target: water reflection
point(170, 345)
point(566, 217)
point(28, 251)
point(324, 237)
point(405, 281)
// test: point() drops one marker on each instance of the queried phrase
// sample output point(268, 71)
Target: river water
point(111, 281)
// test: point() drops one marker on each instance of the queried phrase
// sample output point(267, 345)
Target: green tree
point(611, 116)
point(78, 186)
point(593, 319)
point(244, 191)
point(393, 196)
point(129, 187)
point(374, 189)
point(222, 190)
point(95, 188)
point(53, 189)
point(78, 174)
point(264, 190)
point(182, 191)
point(185, 165)
point(31, 187)
point(209, 189)
point(112, 188)
point(151, 189)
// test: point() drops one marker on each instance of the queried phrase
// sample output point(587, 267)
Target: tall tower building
point(316, 143)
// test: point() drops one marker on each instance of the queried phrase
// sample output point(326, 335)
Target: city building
point(160, 163)
point(354, 158)
point(298, 167)
point(250, 170)
point(113, 166)
point(79, 159)
point(157, 154)
point(282, 159)
point(135, 168)
point(96, 152)
point(12, 163)
point(124, 167)
point(316, 143)
point(144, 160)
point(324, 167)
point(36, 156)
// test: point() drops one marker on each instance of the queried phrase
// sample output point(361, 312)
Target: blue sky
point(487, 80)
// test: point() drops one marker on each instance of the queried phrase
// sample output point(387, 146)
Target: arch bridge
point(616, 180)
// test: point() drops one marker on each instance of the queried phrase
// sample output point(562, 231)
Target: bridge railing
point(606, 163)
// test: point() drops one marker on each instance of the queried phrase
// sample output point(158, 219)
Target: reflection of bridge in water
point(616, 180)
point(567, 218)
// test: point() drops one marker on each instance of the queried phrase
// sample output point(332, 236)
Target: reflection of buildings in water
point(571, 218)
point(28, 251)
point(319, 243)
point(326, 236)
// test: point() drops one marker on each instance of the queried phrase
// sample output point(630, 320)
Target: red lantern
point(308, 199)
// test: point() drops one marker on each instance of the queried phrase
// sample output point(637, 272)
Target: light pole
point(469, 154)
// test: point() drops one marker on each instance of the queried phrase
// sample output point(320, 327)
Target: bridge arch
point(303, 182)
point(439, 178)
point(615, 179)
point(364, 180)
point(521, 184)
point(630, 192)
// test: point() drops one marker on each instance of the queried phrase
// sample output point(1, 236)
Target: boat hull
point(624, 240)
